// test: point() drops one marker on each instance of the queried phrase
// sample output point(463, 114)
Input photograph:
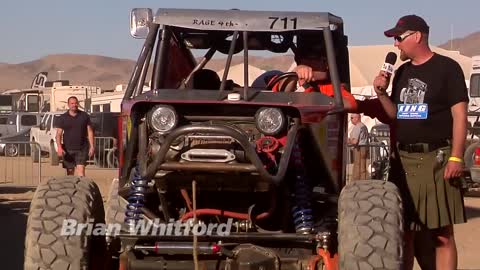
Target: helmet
point(310, 45)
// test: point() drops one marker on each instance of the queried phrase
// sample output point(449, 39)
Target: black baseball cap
point(409, 22)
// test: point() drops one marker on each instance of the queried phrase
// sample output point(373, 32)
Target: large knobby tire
point(370, 226)
point(115, 206)
point(55, 201)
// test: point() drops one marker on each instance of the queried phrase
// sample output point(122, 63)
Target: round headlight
point(270, 121)
point(163, 118)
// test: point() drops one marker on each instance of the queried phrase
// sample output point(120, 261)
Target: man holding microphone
point(428, 106)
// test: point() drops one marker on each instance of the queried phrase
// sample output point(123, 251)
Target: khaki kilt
point(430, 202)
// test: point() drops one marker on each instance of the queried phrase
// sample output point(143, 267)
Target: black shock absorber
point(302, 210)
point(136, 199)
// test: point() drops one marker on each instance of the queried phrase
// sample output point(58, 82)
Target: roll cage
point(172, 33)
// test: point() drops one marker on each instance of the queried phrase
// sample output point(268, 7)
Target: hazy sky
point(33, 29)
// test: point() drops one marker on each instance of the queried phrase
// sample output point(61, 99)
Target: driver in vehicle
point(206, 79)
point(313, 75)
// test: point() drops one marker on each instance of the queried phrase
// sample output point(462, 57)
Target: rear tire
point(370, 226)
point(77, 199)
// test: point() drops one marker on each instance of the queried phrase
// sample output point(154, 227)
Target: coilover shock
point(302, 210)
point(136, 199)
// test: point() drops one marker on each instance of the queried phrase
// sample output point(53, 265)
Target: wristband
point(456, 159)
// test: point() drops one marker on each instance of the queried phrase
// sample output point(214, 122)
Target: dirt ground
point(15, 202)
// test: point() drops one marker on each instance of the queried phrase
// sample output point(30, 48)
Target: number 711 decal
point(288, 23)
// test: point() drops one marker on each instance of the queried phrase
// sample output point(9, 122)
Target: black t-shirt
point(424, 95)
point(75, 135)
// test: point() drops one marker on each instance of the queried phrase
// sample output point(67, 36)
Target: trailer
point(50, 99)
point(472, 152)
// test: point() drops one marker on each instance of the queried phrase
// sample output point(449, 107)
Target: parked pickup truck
point(105, 128)
point(12, 123)
point(44, 134)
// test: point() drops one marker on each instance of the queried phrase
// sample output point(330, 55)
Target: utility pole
point(451, 37)
point(60, 74)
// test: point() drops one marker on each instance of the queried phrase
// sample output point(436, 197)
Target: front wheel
point(370, 226)
point(54, 237)
point(11, 150)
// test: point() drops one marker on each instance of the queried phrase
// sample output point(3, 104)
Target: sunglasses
point(403, 36)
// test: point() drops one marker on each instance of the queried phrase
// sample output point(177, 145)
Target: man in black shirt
point(76, 129)
point(429, 105)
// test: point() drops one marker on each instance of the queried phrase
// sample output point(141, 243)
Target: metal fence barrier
point(375, 161)
point(105, 157)
point(22, 163)
point(106, 153)
point(16, 163)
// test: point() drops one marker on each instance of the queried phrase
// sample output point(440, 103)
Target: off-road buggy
point(255, 178)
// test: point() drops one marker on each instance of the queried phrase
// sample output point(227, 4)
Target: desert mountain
point(105, 72)
point(468, 45)
point(78, 68)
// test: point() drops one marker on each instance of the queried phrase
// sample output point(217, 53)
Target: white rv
point(50, 98)
point(57, 96)
point(108, 101)
point(472, 152)
point(474, 91)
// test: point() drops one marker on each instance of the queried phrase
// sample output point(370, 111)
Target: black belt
point(422, 147)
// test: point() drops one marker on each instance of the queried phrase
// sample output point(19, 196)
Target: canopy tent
point(366, 61)
point(236, 73)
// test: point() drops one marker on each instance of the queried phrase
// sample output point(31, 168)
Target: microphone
point(390, 60)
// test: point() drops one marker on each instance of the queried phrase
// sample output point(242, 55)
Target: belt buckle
point(417, 148)
point(410, 148)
